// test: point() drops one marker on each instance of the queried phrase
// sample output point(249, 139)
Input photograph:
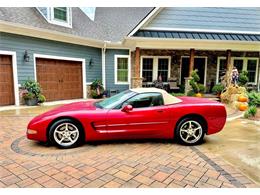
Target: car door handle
point(160, 111)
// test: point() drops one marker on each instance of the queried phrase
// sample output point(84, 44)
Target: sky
point(90, 11)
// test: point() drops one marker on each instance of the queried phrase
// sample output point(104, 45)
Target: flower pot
point(31, 102)
point(198, 95)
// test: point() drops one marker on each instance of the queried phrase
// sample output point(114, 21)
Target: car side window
point(145, 100)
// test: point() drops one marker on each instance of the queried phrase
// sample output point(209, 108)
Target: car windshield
point(115, 100)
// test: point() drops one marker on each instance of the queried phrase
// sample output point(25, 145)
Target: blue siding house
point(65, 50)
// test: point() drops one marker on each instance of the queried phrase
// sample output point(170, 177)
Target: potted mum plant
point(97, 89)
point(217, 89)
point(31, 93)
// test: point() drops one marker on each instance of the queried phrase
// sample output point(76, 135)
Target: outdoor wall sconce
point(26, 57)
point(90, 62)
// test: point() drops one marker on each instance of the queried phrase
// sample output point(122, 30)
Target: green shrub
point(97, 89)
point(254, 98)
point(195, 76)
point(243, 78)
point(218, 88)
point(28, 96)
point(182, 88)
point(202, 88)
point(251, 112)
point(191, 93)
point(195, 86)
point(41, 98)
point(32, 87)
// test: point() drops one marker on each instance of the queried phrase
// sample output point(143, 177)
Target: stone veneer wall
point(212, 57)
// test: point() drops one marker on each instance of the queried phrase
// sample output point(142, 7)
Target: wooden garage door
point(6, 80)
point(60, 79)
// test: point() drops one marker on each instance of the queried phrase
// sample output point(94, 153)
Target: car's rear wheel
point(66, 133)
point(190, 131)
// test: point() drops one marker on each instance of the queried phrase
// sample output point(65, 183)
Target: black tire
point(77, 137)
point(181, 134)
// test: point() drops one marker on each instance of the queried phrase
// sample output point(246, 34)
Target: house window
point(154, 66)
point(222, 69)
point(238, 63)
point(60, 13)
point(251, 68)
point(121, 69)
point(163, 66)
point(241, 63)
point(61, 16)
point(147, 69)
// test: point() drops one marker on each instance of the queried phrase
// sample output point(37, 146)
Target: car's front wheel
point(65, 133)
point(190, 131)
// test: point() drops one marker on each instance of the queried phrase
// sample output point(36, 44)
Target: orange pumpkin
point(242, 107)
point(198, 95)
point(242, 98)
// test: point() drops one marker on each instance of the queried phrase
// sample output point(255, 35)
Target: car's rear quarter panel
point(213, 113)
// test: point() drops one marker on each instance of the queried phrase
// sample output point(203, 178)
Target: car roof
point(168, 98)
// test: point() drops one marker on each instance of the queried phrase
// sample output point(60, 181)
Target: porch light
point(26, 57)
point(90, 62)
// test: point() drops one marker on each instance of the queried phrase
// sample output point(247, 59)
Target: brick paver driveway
point(156, 163)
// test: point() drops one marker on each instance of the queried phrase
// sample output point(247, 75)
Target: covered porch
point(174, 61)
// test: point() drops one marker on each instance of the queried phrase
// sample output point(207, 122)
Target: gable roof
point(110, 24)
point(81, 24)
point(117, 22)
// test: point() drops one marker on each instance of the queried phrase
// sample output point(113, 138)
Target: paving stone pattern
point(126, 164)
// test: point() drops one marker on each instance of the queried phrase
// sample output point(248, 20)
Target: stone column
point(136, 80)
point(187, 86)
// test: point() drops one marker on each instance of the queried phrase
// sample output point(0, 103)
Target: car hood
point(77, 106)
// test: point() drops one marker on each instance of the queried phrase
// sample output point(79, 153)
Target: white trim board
point(130, 66)
point(103, 62)
point(64, 58)
point(15, 76)
point(205, 69)
point(155, 65)
point(115, 69)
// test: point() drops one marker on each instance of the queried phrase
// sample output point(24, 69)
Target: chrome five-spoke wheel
point(65, 133)
point(190, 131)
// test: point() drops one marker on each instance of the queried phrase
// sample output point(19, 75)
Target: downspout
point(104, 65)
point(258, 74)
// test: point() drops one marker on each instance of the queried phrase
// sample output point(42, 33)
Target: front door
point(199, 64)
point(149, 118)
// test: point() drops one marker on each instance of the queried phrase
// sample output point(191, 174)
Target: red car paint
point(151, 122)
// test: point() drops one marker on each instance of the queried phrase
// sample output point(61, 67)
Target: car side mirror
point(127, 108)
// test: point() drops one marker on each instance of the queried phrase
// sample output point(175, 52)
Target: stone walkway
point(146, 163)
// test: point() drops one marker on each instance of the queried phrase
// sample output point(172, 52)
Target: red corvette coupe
point(132, 114)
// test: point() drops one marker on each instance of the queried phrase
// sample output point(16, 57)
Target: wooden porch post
point(137, 62)
point(191, 65)
point(229, 67)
